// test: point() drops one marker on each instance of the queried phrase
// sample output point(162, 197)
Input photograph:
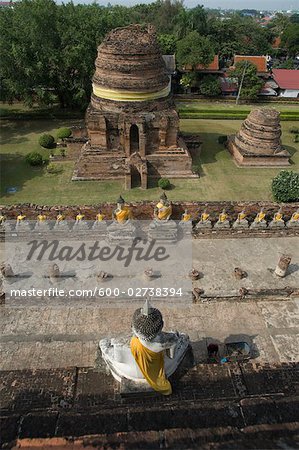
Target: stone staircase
point(232, 406)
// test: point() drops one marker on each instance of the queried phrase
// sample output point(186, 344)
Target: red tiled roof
point(286, 79)
point(259, 61)
point(214, 65)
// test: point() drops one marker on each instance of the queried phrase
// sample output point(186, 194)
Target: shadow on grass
point(291, 151)
point(14, 132)
point(15, 172)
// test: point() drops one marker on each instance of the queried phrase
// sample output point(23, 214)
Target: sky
point(225, 4)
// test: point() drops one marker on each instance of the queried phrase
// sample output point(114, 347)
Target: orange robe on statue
point(151, 365)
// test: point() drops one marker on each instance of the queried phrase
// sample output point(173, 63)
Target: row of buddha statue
point(122, 216)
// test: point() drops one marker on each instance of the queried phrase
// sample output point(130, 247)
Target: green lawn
point(220, 178)
point(231, 105)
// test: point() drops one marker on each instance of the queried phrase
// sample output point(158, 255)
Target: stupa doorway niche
point(134, 139)
point(135, 177)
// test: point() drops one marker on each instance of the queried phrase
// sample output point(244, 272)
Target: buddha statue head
point(163, 199)
point(120, 202)
point(147, 322)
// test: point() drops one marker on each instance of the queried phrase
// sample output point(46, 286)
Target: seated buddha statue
point(294, 220)
point(100, 223)
point(41, 221)
point(259, 221)
point(186, 217)
point(22, 223)
point(80, 223)
point(186, 222)
point(241, 221)
point(277, 221)
point(122, 227)
point(150, 356)
point(162, 228)
point(163, 209)
point(2, 219)
point(60, 223)
point(204, 221)
point(223, 221)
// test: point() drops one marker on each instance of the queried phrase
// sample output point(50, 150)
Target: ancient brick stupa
point(258, 142)
point(132, 124)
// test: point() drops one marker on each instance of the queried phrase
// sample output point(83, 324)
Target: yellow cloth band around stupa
point(129, 96)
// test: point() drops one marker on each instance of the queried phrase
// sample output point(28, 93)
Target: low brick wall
point(144, 210)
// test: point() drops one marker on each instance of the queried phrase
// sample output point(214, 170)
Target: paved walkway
point(59, 337)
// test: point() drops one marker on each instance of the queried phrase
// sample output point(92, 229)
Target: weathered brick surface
point(40, 425)
point(27, 390)
point(222, 416)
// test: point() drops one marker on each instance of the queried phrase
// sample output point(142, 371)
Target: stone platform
point(228, 406)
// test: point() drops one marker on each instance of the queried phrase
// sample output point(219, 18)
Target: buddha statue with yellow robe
point(162, 228)
point(241, 221)
point(259, 221)
point(100, 224)
point(61, 223)
point(80, 224)
point(186, 222)
point(204, 221)
point(41, 222)
point(22, 223)
point(223, 221)
point(2, 218)
point(163, 209)
point(122, 227)
point(277, 221)
point(294, 220)
point(150, 356)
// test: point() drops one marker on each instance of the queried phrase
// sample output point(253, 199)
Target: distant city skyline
point(223, 4)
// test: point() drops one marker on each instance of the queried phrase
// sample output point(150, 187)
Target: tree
point(34, 159)
point(194, 49)
point(285, 186)
point(252, 84)
point(167, 43)
point(290, 39)
point(210, 86)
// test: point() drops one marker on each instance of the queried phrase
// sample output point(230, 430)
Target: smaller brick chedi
point(258, 142)
point(131, 122)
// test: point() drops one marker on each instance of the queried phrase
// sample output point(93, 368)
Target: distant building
point(213, 67)
point(7, 4)
point(287, 81)
point(260, 62)
point(229, 86)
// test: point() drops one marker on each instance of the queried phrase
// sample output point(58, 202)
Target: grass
point(217, 110)
point(220, 178)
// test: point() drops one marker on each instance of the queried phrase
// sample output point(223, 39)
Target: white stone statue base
point(277, 224)
point(205, 224)
point(240, 224)
point(262, 225)
point(223, 225)
point(120, 361)
point(293, 224)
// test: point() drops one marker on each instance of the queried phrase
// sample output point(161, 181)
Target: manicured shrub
point(62, 152)
point(63, 132)
point(164, 183)
point(296, 138)
point(294, 130)
point(34, 159)
point(54, 168)
point(285, 186)
point(46, 141)
point(222, 140)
